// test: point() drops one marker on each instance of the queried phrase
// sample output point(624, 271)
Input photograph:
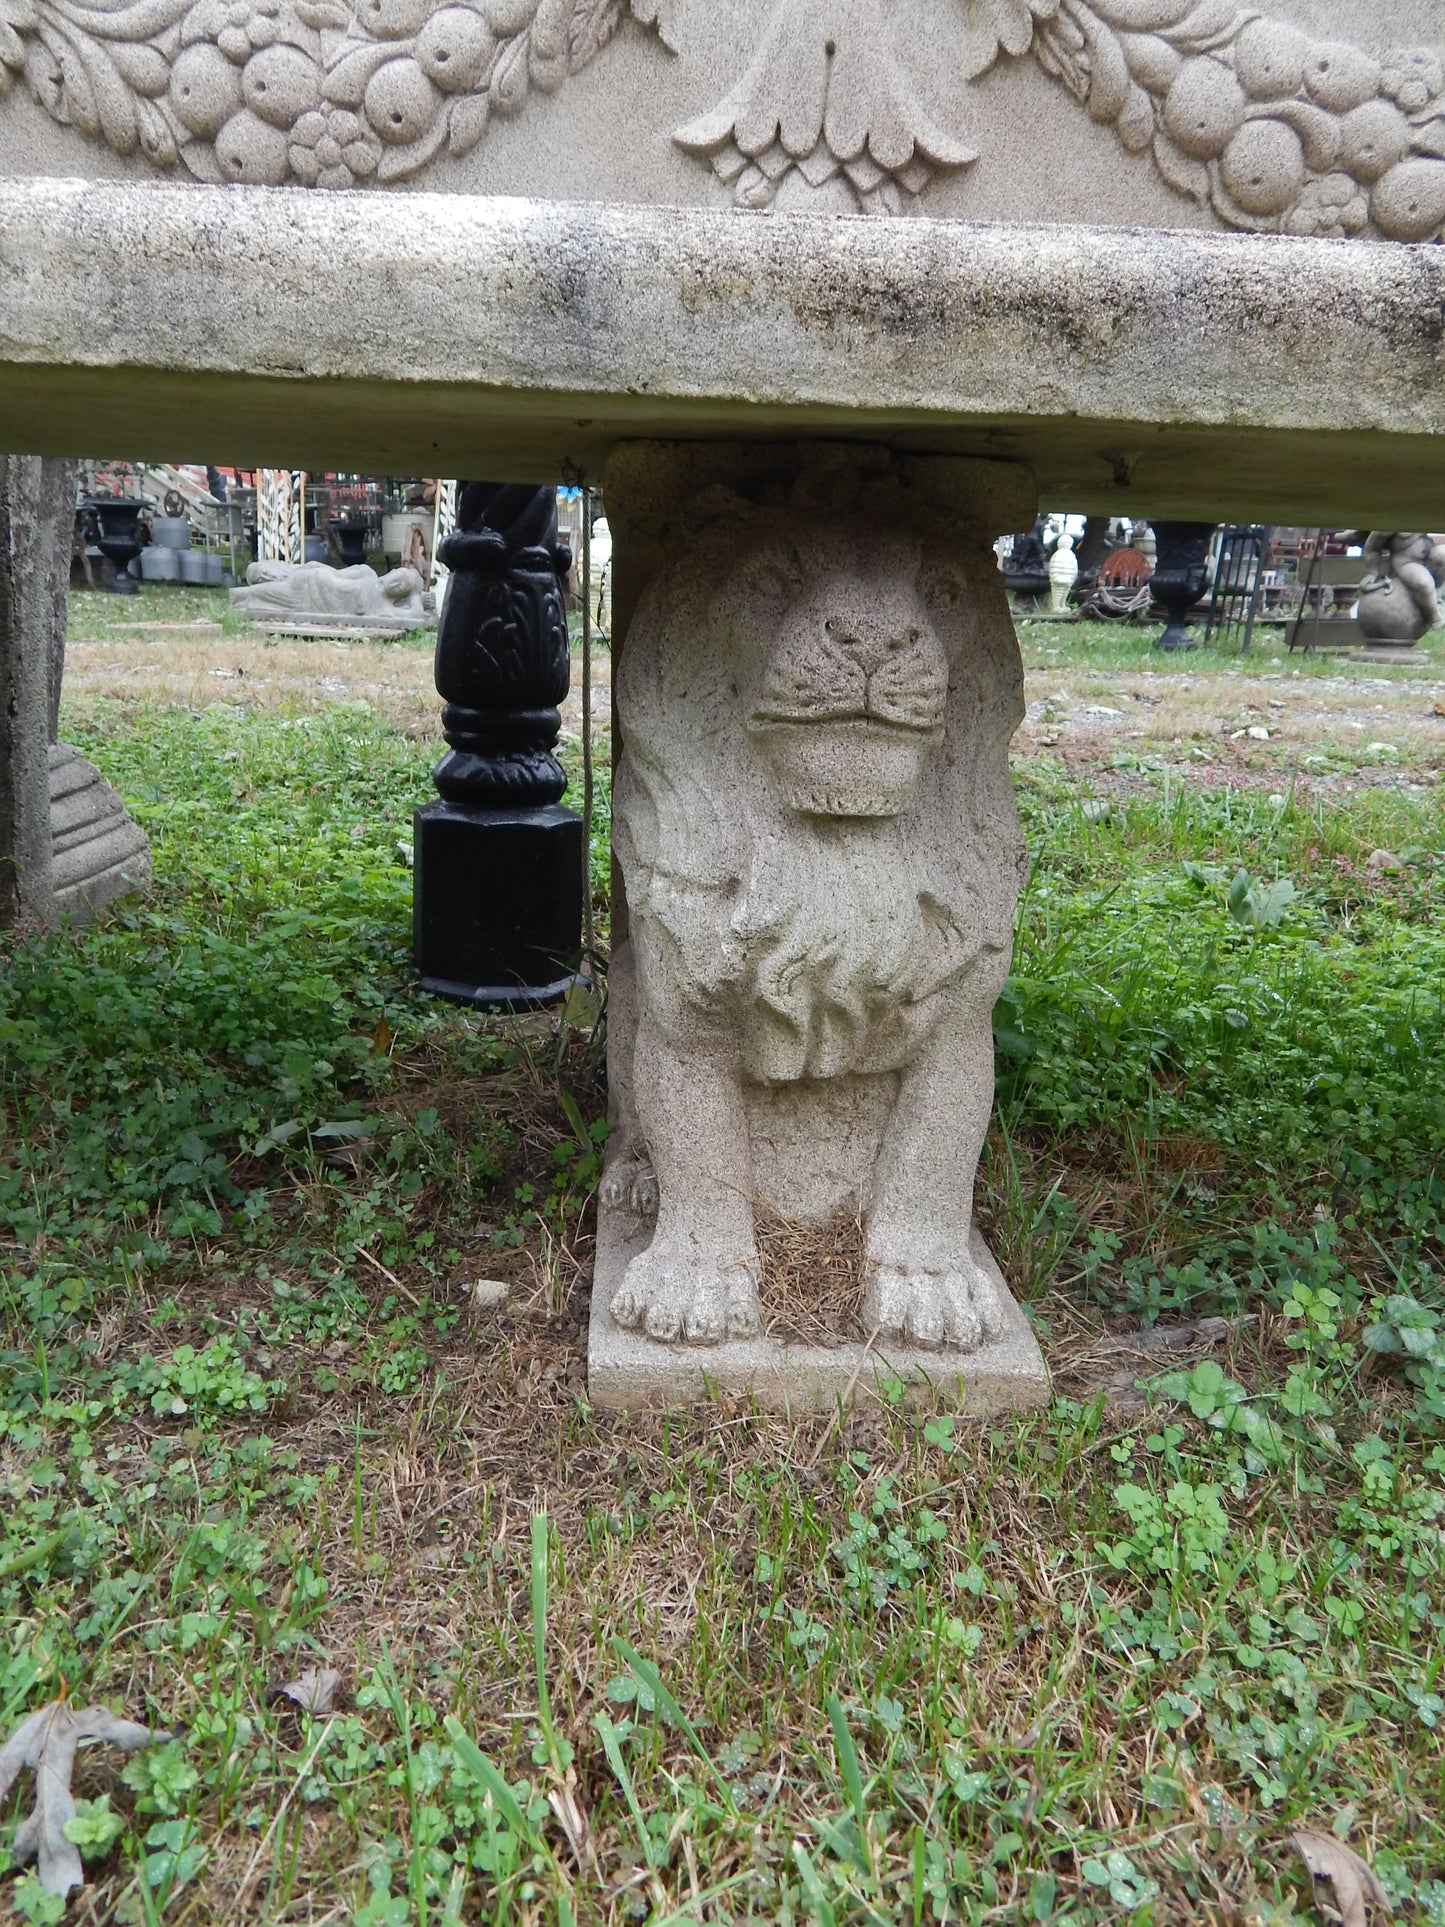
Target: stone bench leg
point(821, 857)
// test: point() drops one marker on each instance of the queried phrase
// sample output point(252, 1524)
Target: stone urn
point(113, 523)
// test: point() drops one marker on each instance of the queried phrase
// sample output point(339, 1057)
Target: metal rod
point(589, 932)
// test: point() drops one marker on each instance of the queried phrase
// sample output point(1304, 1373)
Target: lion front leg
point(698, 1279)
point(629, 1182)
point(923, 1283)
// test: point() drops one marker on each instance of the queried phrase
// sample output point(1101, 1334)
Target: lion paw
point(686, 1297)
point(630, 1184)
point(954, 1304)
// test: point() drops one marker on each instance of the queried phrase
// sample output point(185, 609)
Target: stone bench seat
point(1164, 372)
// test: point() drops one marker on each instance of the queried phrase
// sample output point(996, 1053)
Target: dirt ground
point(1245, 724)
point(1336, 721)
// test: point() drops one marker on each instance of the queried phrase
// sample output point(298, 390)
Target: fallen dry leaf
point(1352, 1881)
point(46, 1743)
point(314, 1691)
point(572, 1817)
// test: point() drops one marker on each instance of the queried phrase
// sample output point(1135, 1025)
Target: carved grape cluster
point(1271, 127)
point(328, 93)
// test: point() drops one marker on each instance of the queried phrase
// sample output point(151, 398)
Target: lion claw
point(689, 1300)
point(630, 1185)
point(952, 1305)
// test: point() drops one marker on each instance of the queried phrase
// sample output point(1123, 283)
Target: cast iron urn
point(350, 540)
point(113, 523)
point(497, 907)
point(1181, 575)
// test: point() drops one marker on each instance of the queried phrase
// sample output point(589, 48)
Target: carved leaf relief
point(1271, 128)
point(992, 27)
point(825, 96)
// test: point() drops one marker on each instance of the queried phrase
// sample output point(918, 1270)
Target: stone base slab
point(630, 1373)
point(1392, 655)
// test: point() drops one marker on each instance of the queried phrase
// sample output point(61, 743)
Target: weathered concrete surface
point(98, 852)
point(1168, 373)
point(37, 506)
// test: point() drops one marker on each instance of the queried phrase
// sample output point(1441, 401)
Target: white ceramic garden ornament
point(1063, 572)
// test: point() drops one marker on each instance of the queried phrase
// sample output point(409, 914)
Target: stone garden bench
point(1163, 258)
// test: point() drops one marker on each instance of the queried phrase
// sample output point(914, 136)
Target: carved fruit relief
point(1270, 127)
point(327, 93)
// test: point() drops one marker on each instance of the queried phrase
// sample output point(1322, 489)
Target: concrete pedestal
point(97, 852)
point(626, 1373)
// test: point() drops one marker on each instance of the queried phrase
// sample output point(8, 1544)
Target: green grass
point(1146, 1018)
point(1115, 646)
point(1091, 1665)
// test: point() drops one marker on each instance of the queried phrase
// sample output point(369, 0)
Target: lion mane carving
point(821, 853)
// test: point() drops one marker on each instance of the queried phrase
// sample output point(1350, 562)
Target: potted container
point(113, 523)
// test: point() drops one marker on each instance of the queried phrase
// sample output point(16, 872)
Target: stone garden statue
point(1063, 573)
point(1399, 598)
point(282, 590)
point(822, 856)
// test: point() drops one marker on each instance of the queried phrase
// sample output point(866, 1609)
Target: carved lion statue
point(822, 858)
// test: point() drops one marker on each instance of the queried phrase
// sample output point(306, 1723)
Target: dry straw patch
point(812, 1276)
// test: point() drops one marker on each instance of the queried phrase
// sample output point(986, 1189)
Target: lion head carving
point(855, 681)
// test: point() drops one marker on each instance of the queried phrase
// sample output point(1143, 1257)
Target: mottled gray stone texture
point(99, 853)
point(821, 856)
point(1006, 1374)
point(37, 508)
point(1316, 117)
point(1198, 375)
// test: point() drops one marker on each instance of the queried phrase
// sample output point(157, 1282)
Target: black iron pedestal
point(497, 904)
point(497, 907)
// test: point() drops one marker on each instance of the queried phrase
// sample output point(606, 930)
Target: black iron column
point(1181, 571)
point(497, 911)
